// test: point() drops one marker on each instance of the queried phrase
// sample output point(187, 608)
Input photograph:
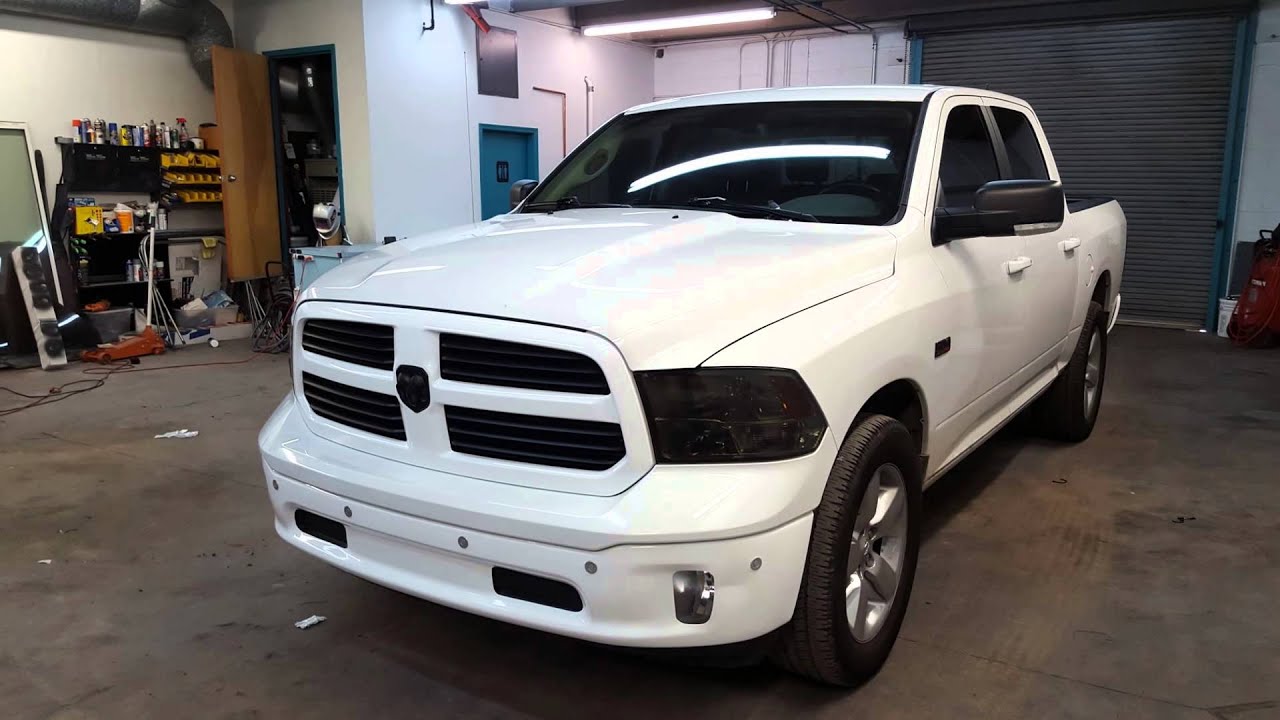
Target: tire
point(819, 642)
point(1065, 411)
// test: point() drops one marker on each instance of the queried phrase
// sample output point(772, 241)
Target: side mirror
point(520, 190)
point(1003, 207)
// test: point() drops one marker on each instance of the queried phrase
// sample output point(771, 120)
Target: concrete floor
point(1053, 580)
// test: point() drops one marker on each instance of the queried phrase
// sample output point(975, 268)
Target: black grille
point(360, 343)
point(496, 362)
point(361, 409)
point(581, 444)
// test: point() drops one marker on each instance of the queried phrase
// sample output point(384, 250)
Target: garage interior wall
point(796, 59)
point(424, 110)
point(265, 25)
point(52, 71)
point(1258, 201)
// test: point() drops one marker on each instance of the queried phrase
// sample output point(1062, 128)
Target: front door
point(507, 154)
point(1051, 280)
point(986, 319)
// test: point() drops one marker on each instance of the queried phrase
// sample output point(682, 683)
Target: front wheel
point(862, 558)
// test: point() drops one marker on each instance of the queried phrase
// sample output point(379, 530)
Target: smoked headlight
point(718, 415)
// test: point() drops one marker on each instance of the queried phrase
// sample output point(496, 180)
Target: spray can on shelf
point(77, 134)
point(164, 135)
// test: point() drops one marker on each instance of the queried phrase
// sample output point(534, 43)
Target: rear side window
point(1026, 161)
point(968, 157)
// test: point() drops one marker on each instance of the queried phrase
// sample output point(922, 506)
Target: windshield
point(836, 162)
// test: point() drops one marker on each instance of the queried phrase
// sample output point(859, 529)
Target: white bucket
point(1226, 308)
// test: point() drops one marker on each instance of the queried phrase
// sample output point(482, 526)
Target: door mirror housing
point(520, 190)
point(1004, 207)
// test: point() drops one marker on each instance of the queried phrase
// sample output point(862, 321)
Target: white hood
point(669, 287)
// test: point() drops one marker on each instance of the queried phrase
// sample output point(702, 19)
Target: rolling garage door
point(1136, 109)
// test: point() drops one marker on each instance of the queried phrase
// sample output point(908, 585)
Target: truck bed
point(1078, 203)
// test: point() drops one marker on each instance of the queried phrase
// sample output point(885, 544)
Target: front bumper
point(405, 523)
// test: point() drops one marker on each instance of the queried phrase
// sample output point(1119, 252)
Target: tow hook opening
point(695, 594)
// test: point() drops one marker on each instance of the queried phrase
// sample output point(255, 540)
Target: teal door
point(507, 154)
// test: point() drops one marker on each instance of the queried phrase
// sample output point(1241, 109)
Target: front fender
point(848, 348)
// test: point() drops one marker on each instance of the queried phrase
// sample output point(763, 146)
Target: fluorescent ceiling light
point(682, 21)
point(462, 2)
point(772, 152)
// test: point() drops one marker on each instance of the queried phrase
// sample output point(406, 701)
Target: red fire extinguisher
point(1256, 320)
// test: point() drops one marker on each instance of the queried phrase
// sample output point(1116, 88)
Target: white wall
point(424, 109)
point(1258, 201)
point(799, 59)
point(52, 71)
point(263, 25)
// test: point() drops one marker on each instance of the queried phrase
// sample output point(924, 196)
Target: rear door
point(1049, 283)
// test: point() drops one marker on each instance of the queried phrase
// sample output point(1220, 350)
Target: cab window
point(1026, 160)
point(968, 158)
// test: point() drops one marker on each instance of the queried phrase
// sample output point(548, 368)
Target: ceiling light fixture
point(681, 21)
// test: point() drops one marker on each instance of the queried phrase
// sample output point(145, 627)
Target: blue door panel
point(506, 155)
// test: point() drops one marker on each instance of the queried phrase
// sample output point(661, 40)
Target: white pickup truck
point(689, 392)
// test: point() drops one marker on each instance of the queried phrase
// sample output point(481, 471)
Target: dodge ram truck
point(689, 391)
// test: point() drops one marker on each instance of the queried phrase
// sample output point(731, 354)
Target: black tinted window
point(1026, 162)
point(841, 162)
point(968, 158)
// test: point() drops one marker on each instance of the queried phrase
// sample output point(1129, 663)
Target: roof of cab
point(847, 93)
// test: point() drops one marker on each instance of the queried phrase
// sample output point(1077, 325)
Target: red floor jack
point(147, 342)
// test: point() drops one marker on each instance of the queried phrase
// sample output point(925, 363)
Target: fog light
point(695, 593)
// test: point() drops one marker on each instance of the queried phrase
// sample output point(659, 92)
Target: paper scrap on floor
point(179, 434)
point(313, 620)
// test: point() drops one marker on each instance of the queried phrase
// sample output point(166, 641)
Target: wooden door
point(250, 204)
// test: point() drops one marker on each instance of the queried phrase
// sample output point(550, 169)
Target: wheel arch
point(903, 400)
point(1102, 291)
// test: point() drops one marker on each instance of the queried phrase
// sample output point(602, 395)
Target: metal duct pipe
point(199, 22)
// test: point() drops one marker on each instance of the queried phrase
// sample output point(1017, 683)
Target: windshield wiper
point(719, 203)
point(565, 203)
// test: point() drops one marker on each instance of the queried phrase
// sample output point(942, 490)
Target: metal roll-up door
point(1136, 109)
